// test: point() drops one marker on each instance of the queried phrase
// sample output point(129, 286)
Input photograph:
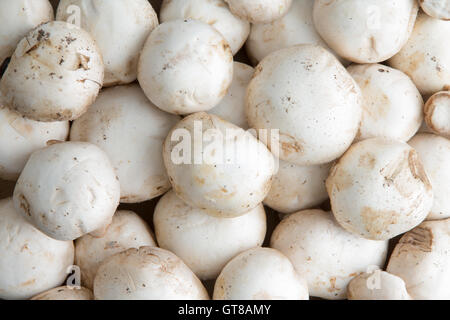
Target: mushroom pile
point(224, 149)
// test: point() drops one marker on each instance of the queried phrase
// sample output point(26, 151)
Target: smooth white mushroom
point(131, 130)
point(119, 28)
point(309, 96)
point(205, 243)
point(259, 11)
point(439, 9)
point(186, 66)
point(213, 12)
point(223, 169)
point(147, 273)
point(437, 113)
point(55, 73)
point(30, 262)
point(367, 31)
point(324, 253)
point(66, 293)
point(392, 105)
point(422, 260)
point(68, 190)
point(260, 274)
point(425, 57)
point(379, 189)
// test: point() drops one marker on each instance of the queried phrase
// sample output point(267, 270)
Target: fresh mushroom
point(66, 293)
point(259, 11)
point(437, 113)
point(439, 9)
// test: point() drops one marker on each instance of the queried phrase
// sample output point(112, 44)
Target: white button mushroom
point(379, 189)
point(205, 243)
point(224, 170)
point(439, 9)
point(260, 274)
point(65, 293)
point(434, 152)
point(67, 190)
point(392, 105)
point(131, 130)
point(213, 12)
point(426, 55)
point(119, 28)
point(186, 66)
point(147, 273)
point(259, 11)
point(309, 96)
point(368, 31)
point(55, 73)
point(437, 113)
point(30, 262)
point(324, 253)
point(422, 260)
point(232, 106)
point(19, 17)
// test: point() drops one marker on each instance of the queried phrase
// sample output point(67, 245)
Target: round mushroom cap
point(55, 73)
point(296, 188)
point(30, 262)
point(147, 273)
point(232, 106)
point(437, 113)
point(186, 66)
point(205, 243)
point(260, 274)
point(422, 260)
point(439, 9)
point(20, 137)
point(19, 17)
point(378, 285)
point(119, 28)
point(317, 123)
point(213, 12)
point(131, 130)
point(127, 230)
point(259, 11)
point(65, 293)
point(367, 31)
point(392, 105)
point(379, 189)
point(68, 190)
point(326, 255)
point(426, 57)
point(434, 152)
point(223, 169)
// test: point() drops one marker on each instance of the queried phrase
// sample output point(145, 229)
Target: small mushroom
point(259, 11)
point(65, 293)
point(260, 274)
point(439, 9)
point(205, 243)
point(68, 190)
point(437, 113)
point(147, 273)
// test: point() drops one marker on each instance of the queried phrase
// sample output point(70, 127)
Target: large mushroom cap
point(259, 11)
point(377, 285)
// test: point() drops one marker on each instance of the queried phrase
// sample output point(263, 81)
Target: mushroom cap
point(392, 105)
point(296, 188)
point(259, 11)
point(55, 73)
point(231, 176)
point(260, 274)
point(119, 28)
point(205, 243)
point(425, 57)
point(65, 293)
point(147, 273)
point(422, 260)
point(379, 285)
point(131, 130)
point(367, 31)
point(186, 66)
point(30, 262)
point(127, 230)
point(316, 123)
point(232, 106)
point(19, 17)
point(379, 189)
point(326, 255)
point(68, 190)
point(437, 113)
point(213, 12)
point(434, 152)
point(439, 9)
